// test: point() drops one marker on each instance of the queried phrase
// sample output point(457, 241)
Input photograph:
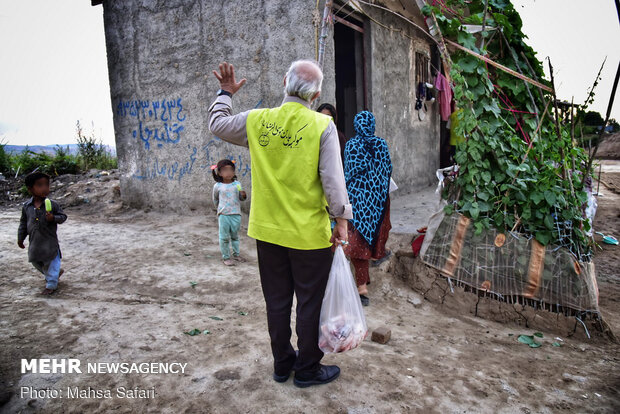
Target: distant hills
point(50, 149)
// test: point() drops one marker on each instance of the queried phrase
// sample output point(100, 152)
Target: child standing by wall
point(227, 193)
point(40, 217)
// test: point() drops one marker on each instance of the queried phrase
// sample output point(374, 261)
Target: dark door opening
point(350, 76)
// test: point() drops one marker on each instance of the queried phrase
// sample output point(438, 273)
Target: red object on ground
point(416, 243)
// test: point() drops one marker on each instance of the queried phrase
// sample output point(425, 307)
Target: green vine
point(503, 181)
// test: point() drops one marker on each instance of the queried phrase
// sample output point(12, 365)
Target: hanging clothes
point(444, 92)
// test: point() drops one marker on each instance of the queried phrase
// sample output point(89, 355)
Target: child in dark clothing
point(40, 217)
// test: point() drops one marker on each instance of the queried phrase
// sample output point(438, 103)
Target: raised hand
point(227, 78)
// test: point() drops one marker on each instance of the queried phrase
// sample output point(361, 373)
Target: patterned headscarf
point(367, 171)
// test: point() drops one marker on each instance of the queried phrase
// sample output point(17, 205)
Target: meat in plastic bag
point(342, 324)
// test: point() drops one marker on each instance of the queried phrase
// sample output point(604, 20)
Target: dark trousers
point(284, 272)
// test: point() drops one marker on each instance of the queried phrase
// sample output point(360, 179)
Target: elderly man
point(296, 168)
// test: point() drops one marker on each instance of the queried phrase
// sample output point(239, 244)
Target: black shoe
point(285, 377)
point(364, 299)
point(281, 378)
point(383, 259)
point(325, 374)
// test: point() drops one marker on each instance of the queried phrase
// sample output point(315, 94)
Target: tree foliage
point(517, 171)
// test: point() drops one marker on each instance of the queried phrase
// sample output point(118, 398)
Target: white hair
point(303, 79)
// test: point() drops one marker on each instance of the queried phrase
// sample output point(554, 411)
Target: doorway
point(350, 68)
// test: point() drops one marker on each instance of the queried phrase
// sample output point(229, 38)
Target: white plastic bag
point(342, 325)
point(393, 186)
point(591, 211)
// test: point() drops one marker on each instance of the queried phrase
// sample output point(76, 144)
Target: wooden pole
point(499, 66)
point(324, 27)
point(559, 134)
point(609, 106)
point(484, 23)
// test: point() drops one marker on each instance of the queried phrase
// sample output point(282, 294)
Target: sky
point(576, 36)
point(53, 68)
point(53, 72)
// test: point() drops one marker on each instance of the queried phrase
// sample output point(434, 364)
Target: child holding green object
point(39, 220)
point(227, 194)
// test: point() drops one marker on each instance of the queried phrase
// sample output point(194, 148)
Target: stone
point(415, 300)
point(381, 335)
point(227, 375)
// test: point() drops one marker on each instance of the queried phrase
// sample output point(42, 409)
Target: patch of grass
point(92, 154)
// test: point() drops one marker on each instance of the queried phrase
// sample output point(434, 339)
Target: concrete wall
point(160, 57)
point(414, 144)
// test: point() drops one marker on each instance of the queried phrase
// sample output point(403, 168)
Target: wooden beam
point(348, 24)
point(499, 66)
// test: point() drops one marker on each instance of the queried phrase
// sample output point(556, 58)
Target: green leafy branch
point(519, 169)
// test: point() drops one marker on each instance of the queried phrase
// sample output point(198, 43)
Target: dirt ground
point(607, 221)
point(610, 147)
point(126, 296)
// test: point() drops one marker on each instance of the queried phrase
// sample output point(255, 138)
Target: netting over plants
point(513, 268)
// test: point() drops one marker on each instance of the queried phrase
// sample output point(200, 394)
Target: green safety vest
point(288, 203)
